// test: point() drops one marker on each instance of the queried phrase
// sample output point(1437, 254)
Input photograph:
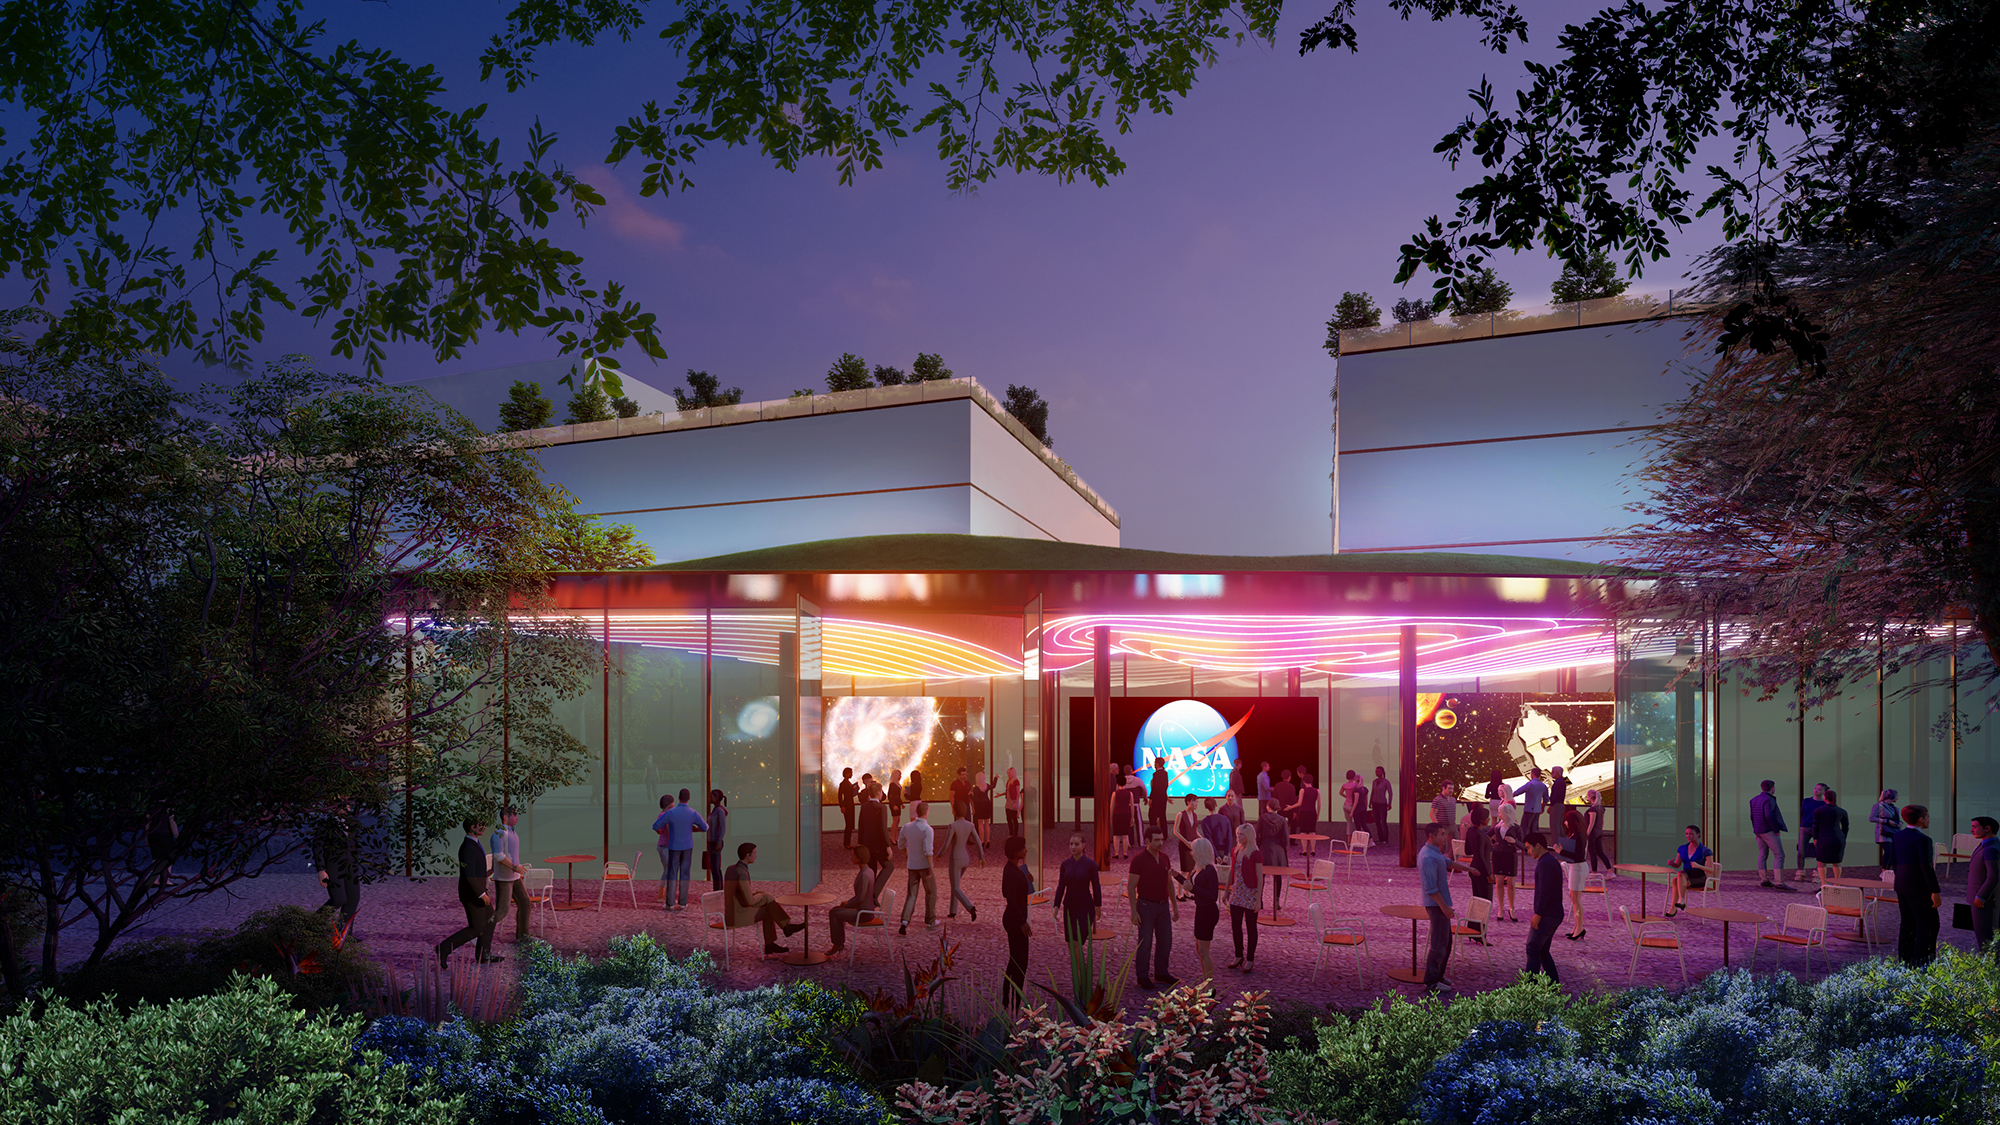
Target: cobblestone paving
point(401, 921)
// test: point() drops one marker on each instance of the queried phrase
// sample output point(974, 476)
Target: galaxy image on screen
point(878, 733)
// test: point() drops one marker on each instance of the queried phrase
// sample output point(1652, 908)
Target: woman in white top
point(1498, 793)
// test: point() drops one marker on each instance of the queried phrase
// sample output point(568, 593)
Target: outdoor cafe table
point(1312, 840)
point(1413, 975)
point(1725, 916)
point(805, 900)
point(572, 861)
point(1865, 885)
point(1642, 870)
point(1274, 918)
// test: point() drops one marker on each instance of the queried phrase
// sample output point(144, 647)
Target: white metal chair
point(1357, 845)
point(1849, 902)
point(1810, 924)
point(1457, 848)
point(1336, 934)
point(1602, 888)
point(1711, 887)
point(1962, 844)
point(715, 916)
point(1318, 877)
point(615, 871)
point(1477, 923)
point(875, 922)
point(540, 885)
point(1645, 934)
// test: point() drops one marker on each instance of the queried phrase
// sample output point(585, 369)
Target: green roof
point(935, 553)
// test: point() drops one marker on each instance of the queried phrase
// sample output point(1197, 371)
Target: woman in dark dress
point(913, 787)
point(1506, 864)
point(1121, 812)
point(1829, 833)
point(895, 795)
point(1206, 888)
point(1593, 831)
point(1079, 895)
point(982, 812)
point(1479, 855)
point(1015, 887)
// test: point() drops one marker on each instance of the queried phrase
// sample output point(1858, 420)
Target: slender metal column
point(1100, 738)
point(1406, 707)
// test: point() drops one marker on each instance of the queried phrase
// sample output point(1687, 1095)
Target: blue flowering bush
point(640, 1037)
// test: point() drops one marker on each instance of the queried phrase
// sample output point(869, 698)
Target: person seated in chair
point(867, 892)
point(1691, 870)
point(742, 906)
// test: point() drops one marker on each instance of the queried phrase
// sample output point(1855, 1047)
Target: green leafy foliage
point(588, 404)
point(302, 952)
point(928, 368)
point(1407, 310)
point(887, 376)
point(625, 407)
point(242, 1056)
point(705, 390)
point(1594, 280)
point(526, 408)
point(1481, 294)
point(1029, 409)
point(848, 373)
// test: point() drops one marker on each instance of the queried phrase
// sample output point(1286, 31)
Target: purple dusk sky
point(1172, 319)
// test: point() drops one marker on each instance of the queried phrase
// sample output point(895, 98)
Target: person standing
point(336, 857)
point(918, 841)
point(662, 834)
point(1079, 894)
point(1534, 797)
point(1982, 882)
point(1263, 785)
point(863, 899)
point(913, 787)
point(1246, 895)
point(1558, 796)
point(718, 827)
point(1305, 811)
point(1274, 839)
point(1283, 795)
point(1217, 829)
point(846, 795)
point(982, 812)
point(961, 796)
point(1232, 807)
point(1593, 833)
point(1498, 793)
point(1506, 863)
point(958, 848)
point(1569, 849)
point(1156, 797)
point(1434, 865)
point(1887, 823)
point(1444, 806)
point(1206, 890)
point(1352, 790)
point(1479, 855)
point(1381, 795)
point(1807, 807)
point(1013, 804)
point(508, 886)
point(742, 905)
point(475, 896)
point(1917, 897)
point(682, 823)
point(1829, 833)
point(895, 800)
point(1150, 886)
point(1015, 887)
point(874, 816)
point(1547, 916)
point(1767, 821)
point(1122, 796)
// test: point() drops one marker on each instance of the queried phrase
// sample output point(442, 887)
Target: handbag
point(1961, 915)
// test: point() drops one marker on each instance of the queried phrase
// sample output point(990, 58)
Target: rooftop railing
point(1518, 322)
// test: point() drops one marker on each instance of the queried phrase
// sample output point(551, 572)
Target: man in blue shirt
point(1435, 865)
point(1548, 907)
point(1534, 795)
point(678, 825)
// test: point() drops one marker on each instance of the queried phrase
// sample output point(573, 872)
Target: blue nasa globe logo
point(1198, 744)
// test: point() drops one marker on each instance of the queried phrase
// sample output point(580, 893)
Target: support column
point(1100, 742)
point(1406, 709)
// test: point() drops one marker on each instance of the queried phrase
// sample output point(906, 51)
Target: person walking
point(1807, 807)
point(846, 796)
point(1079, 895)
point(1434, 867)
point(1274, 838)
point(508, 887)
point(1013, 791)
point(682, 822)
point(1381, 795)
point(1569, 850)
point(958, 848)
point(1982, 882)
point(918, 842)
point(1015, 887)
point(1887, 823)
point(334, 855)
point(1534, 798)
point(1767, 821)
point(1593, 833)
point(1149, 884)
point(1547, 916)
point(744, 906)
point(1917, 897)
point(1246, 895)
point(718, 828)
point(1829, 833)
point(475, 896)
point(982, 813)
point(1206, 889)
point(863, 899)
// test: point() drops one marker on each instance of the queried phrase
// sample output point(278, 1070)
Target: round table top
point(569, 859)
point(1313, 836)
point(1644, 868)
point(805, 898)
point(1405, 910)
point(1725, 914)
point(1280, 872)
point(1870, 884)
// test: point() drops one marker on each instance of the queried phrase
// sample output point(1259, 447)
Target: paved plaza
point(401, 920)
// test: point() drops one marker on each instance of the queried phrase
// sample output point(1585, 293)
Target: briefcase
point(1961, 915)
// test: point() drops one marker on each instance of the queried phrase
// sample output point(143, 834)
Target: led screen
point(1204, 739)
point(1465, 736)
point(873, 734)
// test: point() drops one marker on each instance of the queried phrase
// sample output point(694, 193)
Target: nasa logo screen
point(1203, 739)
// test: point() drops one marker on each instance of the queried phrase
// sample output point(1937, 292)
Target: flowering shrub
point(1098, 1071)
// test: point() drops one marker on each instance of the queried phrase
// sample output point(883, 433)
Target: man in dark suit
point(475, 895)
point(1917, 897)
point(1982, 881)
point(848, 791)
point(744, 906)
point(1548, 907)
point(875, 828)
point(1156, 797)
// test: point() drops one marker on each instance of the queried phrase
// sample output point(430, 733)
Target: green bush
point(242, 1055)
point(298, 949)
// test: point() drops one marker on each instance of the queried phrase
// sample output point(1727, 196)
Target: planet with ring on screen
point(1446, 719)
point(1197, 742)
